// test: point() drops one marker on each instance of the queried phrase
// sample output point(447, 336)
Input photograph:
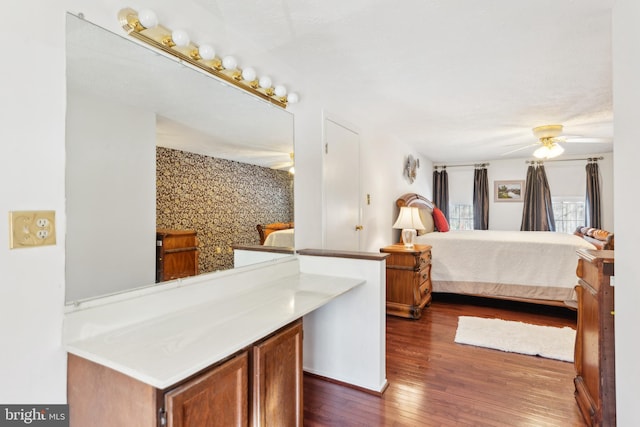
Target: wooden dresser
point(408, 280)
point(595, 342)
point(176, 254)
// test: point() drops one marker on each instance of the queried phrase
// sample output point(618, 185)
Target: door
point(219, 397)
point(277, 379)
point(341, 187)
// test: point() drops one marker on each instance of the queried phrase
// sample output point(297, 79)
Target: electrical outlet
point(32, 228)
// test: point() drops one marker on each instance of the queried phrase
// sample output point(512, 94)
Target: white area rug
point(517, 337)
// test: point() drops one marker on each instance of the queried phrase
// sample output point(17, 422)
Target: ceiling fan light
point(541, 153)
point(555, 150)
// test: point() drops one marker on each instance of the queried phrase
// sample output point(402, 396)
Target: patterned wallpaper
point(221, 199)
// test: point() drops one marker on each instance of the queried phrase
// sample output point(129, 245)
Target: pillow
point(427, 219)
point(439, 219)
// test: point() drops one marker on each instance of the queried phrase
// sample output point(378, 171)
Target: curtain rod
point(590, 159)
point(476, 165)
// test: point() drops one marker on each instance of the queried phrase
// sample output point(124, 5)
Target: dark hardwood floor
point(436, 382)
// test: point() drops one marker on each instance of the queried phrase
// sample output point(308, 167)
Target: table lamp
point(409, 221)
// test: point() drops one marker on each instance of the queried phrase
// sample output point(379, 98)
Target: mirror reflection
point(158, 150)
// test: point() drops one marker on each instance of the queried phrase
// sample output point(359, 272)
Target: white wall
point(32, 363)
point(103, 138)
point(626, 96)
point(383, 162)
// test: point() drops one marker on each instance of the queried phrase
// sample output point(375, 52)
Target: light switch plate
point(32, 228)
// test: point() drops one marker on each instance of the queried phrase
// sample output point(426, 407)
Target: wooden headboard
point(415, 200)
point(265, 229)
point(601, 239)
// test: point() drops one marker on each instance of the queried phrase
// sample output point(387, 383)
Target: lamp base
point(408, 236)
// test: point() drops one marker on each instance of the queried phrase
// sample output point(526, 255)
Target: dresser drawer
point(424, 261)
point(424, 289)
point(424, 274)
point(409, 261)
point(178, 241)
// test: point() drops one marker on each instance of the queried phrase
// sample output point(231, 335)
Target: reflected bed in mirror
point(153, 143)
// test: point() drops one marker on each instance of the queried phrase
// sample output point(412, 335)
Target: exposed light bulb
point(229, 63)
point(265, 82)
point(148, 18)
point(292, 98)
point(207, 52)
point(280, 91)
point(249, 74)
point(180, 38)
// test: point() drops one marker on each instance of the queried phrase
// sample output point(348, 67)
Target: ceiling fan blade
point(587, 140)
point(519, 149)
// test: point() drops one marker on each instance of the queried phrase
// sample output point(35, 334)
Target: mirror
point(154, 143)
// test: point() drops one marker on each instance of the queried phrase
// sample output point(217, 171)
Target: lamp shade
point(555, 150)
point(409, 217)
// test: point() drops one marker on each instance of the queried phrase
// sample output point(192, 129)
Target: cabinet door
point(277, 379)
point(216, 398)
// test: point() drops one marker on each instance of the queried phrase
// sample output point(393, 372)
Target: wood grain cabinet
point(259, 386)
point(595, 341)
point(176, 254)
point(218, 397)
point(408, 280)
point(277, 379)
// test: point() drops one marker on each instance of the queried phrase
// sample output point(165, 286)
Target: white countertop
point(164, 349)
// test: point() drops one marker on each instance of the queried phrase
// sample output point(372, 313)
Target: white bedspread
point(281, 238)
point(534, 258)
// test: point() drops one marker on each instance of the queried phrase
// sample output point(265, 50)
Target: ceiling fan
point(549, 139)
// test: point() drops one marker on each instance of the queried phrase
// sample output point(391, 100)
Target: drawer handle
point(424, 276)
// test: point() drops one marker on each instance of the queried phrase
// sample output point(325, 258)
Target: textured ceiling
point(460, 80)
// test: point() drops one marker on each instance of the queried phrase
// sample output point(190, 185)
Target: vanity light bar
point(144, 27)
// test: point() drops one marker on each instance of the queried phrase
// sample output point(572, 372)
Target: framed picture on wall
point(508, 191)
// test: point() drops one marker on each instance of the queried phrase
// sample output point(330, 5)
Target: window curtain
point(593, 214)
point(537, 214)
point(441, 191)
point(480, 199)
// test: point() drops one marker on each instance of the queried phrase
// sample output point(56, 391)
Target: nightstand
point(408, 280)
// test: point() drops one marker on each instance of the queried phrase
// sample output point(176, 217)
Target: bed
point(531, 266)
point(278, 234)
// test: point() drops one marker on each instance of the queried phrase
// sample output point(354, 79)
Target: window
point(568, 213)
point(461, 217)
